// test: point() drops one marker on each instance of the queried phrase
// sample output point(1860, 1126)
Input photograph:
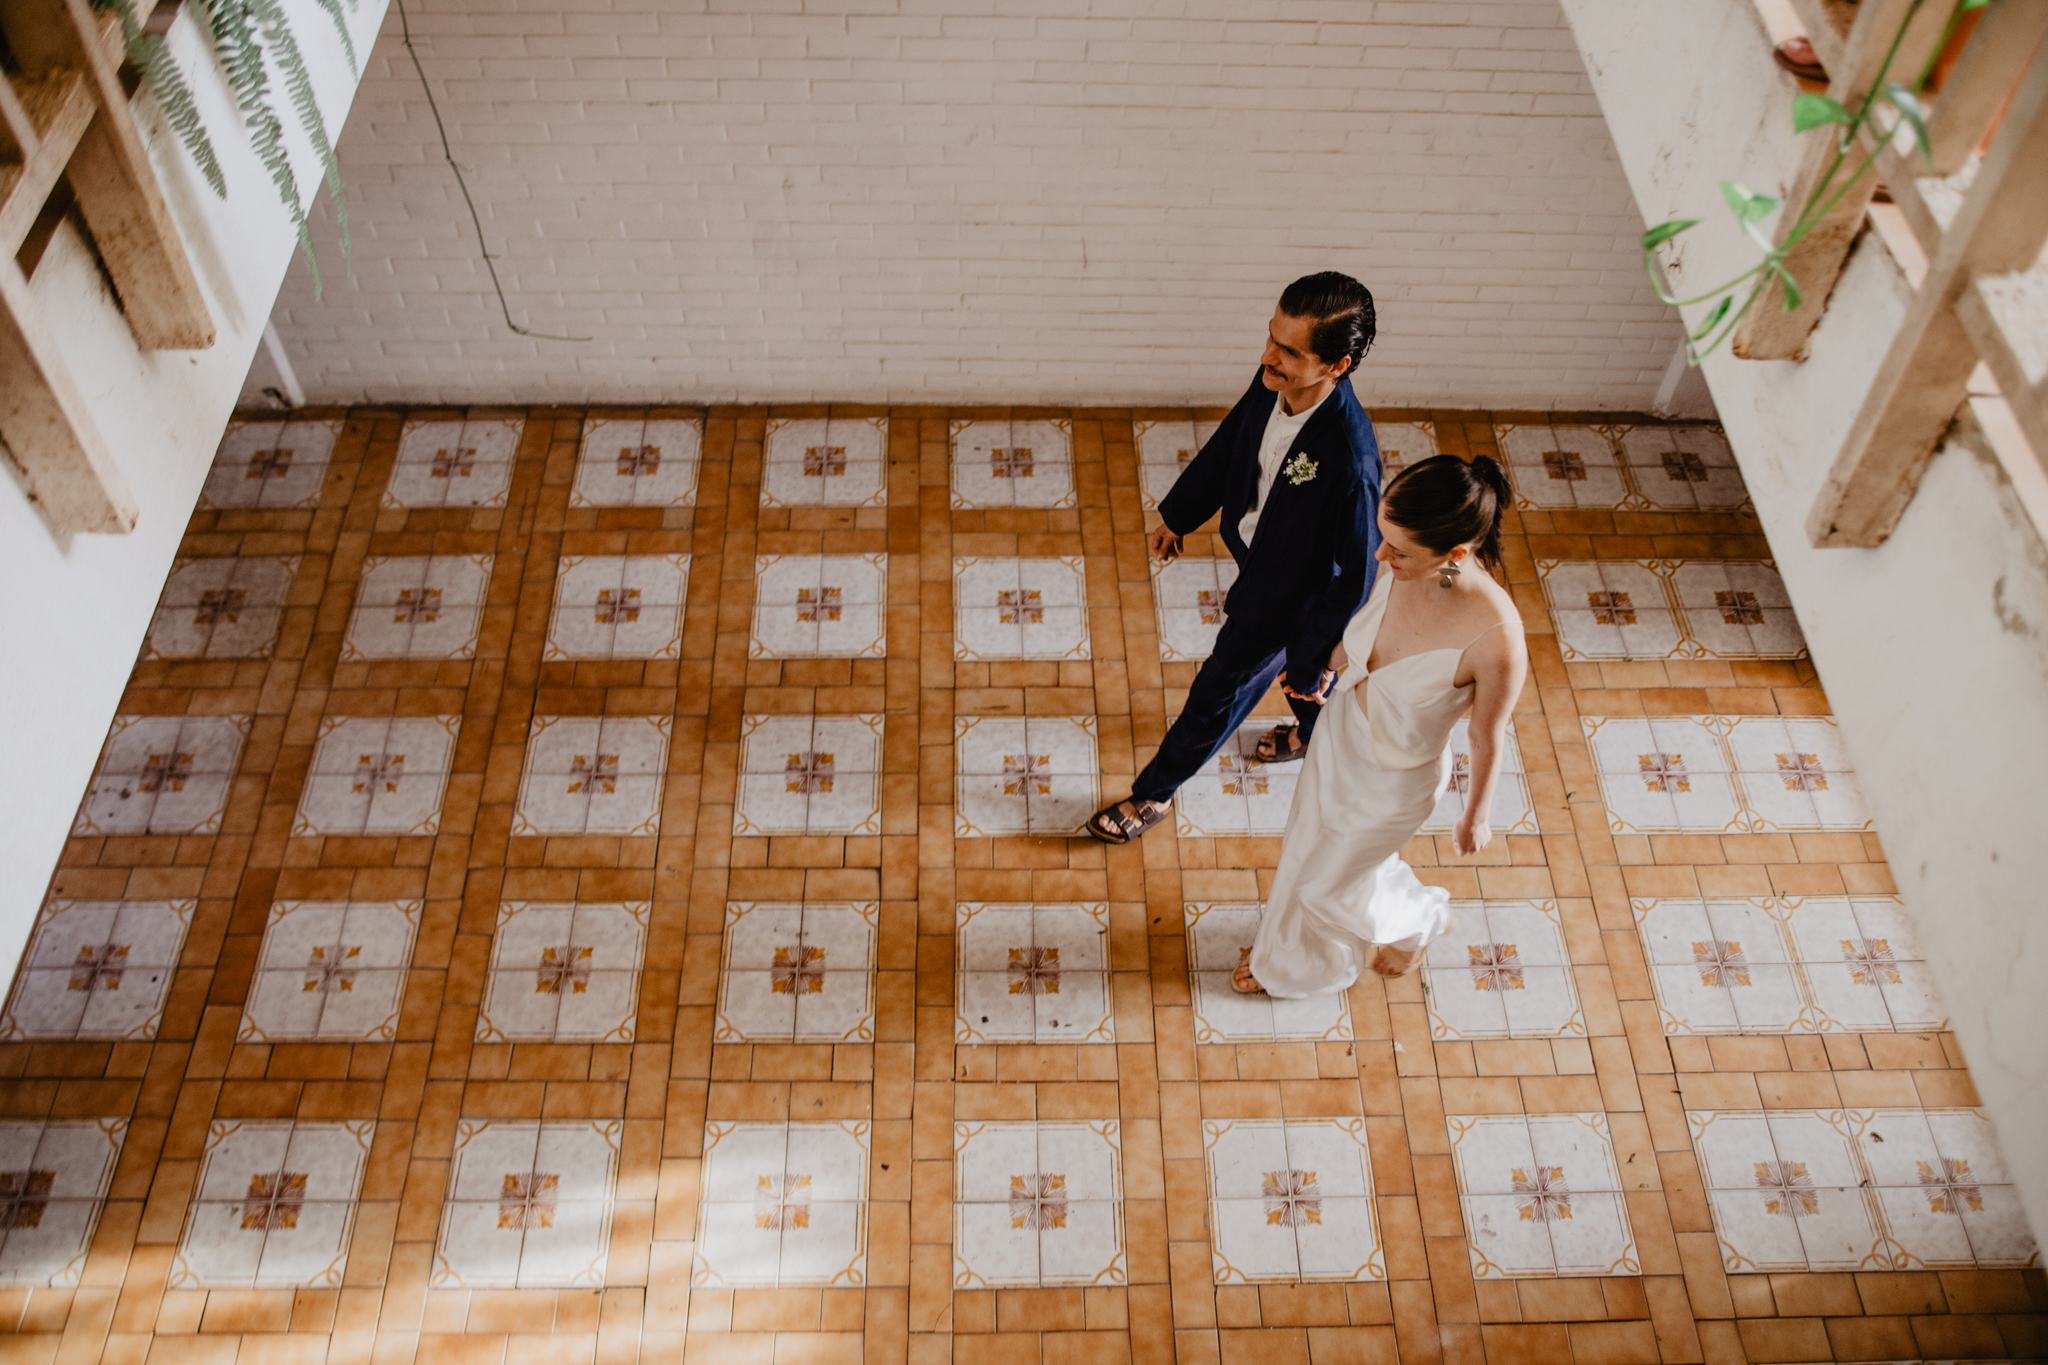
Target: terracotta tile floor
point(447, 1068)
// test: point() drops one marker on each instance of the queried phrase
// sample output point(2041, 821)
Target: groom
point(1295, 472)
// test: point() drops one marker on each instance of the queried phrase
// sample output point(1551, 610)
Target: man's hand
point(1322, 692)
point(1165, 544)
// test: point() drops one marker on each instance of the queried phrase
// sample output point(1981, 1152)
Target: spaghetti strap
point(1511, 621)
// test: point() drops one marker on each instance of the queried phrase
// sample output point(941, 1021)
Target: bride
point(1428, 646)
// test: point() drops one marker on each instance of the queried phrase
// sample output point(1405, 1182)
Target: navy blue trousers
point(1230, 684)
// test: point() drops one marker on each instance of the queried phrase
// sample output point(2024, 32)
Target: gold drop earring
point(1450, 570)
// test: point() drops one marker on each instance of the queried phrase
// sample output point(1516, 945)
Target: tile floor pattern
point(1670, 609)
point(271, 465)
point(222, 608)
point(504, 1172)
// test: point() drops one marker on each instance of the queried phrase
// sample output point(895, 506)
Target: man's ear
point(1341, 368)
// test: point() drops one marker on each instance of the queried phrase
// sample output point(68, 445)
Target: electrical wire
point(405, 32)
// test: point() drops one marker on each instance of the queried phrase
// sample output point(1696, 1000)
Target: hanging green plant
point(1809, 111)
point(247, 37)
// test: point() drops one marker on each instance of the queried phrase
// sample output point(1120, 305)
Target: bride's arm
point(1499, 665)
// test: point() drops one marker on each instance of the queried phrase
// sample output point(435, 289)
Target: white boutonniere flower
point(1300, 469)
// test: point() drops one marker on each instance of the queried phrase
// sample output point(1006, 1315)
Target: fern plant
point(247, 37)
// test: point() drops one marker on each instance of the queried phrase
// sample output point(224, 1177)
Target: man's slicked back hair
point(1340, 309)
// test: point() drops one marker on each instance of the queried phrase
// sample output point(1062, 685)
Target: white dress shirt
point(1281, 429)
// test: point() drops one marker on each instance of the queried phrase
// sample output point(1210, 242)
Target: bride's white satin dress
point(1369, 781)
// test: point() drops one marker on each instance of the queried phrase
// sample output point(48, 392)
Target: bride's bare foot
point(1392, 961)
point(1243, 982)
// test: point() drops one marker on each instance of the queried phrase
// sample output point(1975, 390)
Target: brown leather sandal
point(1126, 820)
point(1243, 974)
point(1281, 744)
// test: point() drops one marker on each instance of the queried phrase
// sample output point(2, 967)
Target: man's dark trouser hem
point(1230, 684)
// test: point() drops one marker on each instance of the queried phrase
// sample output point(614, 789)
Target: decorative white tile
point(274, 1204)
point(1670, 609)
point(271, 465)
point(418, 607)
point(332, 970)
point(1032, 973)
point(1776, 964)
point(1562, 466)
point(1024, 775)
point(53, 1183)
point(1665, 774)
point(378, 776)
point(1164, 450)
point(1013, 464)
point(464, 463)
point(1291, 1200)
point(1683, 469)
point(1189, 594)
point(1219, 937)
point(593, 775)
point(820, 606)
point(1612, 609)
point(1884, 1189)
point(1542, 1195)
point(1513, 812)
point(1234, 793)
point(1724, 966)
point(564, 973)
point(783, 1204)
point(97, 969)
point(826, 462)
point(636, 461)
point(163, 775)
point(1038, 1204)
point(1020, 608)
point(1794, 773)
point(221, 608)
point(809, 775)
point(1724, 774)
point(1502, 971)
point(1403, 444)
point(797, 974)
point(529, 1204)
point(618, 607)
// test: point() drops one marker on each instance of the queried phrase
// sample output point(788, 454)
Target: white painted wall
point(76, 609)
point(1934, 646)
point(922, 200)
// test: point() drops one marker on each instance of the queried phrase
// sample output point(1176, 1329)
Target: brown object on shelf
point(1797, 56)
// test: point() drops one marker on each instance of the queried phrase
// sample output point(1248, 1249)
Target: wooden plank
point(59, 107)
point(2006, 317)
point(17, 131)
point(1769, 332)
point(1991, 65)
point(131, 224)
point(50, 437)
point(2000, 228)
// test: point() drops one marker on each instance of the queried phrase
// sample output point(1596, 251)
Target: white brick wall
point(750, 200)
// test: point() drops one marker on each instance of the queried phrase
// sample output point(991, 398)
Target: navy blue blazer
point(1310, 563)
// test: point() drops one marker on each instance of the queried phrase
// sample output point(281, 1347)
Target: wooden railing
point(1976, 225)
point(68, 140)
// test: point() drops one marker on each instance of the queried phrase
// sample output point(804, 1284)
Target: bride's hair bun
point(1445, 502)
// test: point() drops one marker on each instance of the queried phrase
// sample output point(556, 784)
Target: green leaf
point(1792, 295)
point(1911, 110)
point(1747, 206)
point(1714, 318)
point(1969, 5)
point(1811, 111)
point(1664, 232)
